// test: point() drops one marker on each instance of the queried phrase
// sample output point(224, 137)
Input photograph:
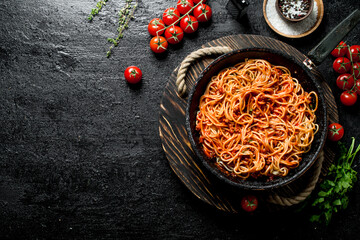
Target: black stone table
point(80, 152)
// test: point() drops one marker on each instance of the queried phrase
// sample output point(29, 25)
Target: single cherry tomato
point(133, 74)
point(156, 27)
point(189, 24)
point(341, 65)
point(340, 50)
point(356, 70)
point(335, 132)
point(348, 98)
point(249, 203)
point(158, 44)
point(203, 13)
point(355, 53)
point(357, 87)
point(184, 6)
point(174, 34)
point(345, 81)
point(197, 1)
point(170, 16)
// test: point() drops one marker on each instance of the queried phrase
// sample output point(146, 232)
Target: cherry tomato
point(184, 6)
point(357, 87)
point(345, 81)
point(249, 203)
point(335, 132)
point(133, 74)
point(174, 34)
point(355, 53)
point(202, 13)
point(356, 70)
point(170, 16)
point(341, 65)
point(348, 98)
point(156, 27)
point(158, 44)
point(197, 1)
point(340, 50)
point(189, 24)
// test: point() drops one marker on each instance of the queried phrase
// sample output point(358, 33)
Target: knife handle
point(325, 46)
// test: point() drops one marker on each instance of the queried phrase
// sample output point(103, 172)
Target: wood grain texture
point(178, 150)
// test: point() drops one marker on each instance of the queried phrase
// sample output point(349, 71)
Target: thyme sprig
point(125, 15)
point(95, 11)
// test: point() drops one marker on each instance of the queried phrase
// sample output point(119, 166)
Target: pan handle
point(325, 46)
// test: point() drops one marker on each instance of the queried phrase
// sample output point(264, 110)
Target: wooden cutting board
point(177, 148)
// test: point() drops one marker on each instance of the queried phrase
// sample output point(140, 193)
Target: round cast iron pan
point(275, 57)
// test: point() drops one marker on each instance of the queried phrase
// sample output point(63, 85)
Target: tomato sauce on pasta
point(256, 120)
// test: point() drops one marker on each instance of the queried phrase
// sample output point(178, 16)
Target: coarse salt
point(287, 27)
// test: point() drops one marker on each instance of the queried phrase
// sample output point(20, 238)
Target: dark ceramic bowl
point(298, 70)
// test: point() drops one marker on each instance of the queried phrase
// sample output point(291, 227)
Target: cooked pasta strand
point(255, 120)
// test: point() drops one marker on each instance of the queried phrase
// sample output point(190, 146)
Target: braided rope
point(185, 64)
point(289, 201)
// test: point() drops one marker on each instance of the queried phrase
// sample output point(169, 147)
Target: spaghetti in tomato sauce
point(256, 120)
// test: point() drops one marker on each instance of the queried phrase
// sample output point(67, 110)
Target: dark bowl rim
point(282, 181)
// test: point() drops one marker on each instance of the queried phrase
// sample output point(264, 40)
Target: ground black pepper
point(294, 9)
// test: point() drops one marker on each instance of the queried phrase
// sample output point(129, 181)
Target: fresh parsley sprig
point(340, 179)
point(125, 15)
point(95, 11)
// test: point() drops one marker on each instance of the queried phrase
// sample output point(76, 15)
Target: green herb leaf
point(332, 195)
point(125, 15)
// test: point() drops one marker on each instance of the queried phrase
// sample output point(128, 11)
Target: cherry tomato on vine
point(184, 6)
point(340, 50)
point(158, 44)
point(133, 74)
point(357, 87)
point(249, 203)
point(189, 24)
point(356, 70)
point(156, 27)
point(174, 34)
point(341, 65)
point(203, 13)
point(355, 53)
point(170, 16)
point(348, 98)
point(345, 81)
point(197, 1)
point(335, 132)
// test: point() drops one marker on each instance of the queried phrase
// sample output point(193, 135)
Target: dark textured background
point(80, 150)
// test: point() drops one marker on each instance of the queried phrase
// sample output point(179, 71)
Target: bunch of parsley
point(340, 179)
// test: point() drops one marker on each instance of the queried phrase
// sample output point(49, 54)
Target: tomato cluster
point(187, 14)
point(347, 64)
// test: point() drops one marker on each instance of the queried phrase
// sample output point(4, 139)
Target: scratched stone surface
point(80, 152)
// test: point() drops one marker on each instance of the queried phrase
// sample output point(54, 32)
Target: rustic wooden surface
point(80, 151)
point(177, 147)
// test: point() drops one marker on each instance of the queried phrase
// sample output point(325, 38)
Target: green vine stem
point(174, 23)
point(125, 15)
point(353, 73)
point(95, 11)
